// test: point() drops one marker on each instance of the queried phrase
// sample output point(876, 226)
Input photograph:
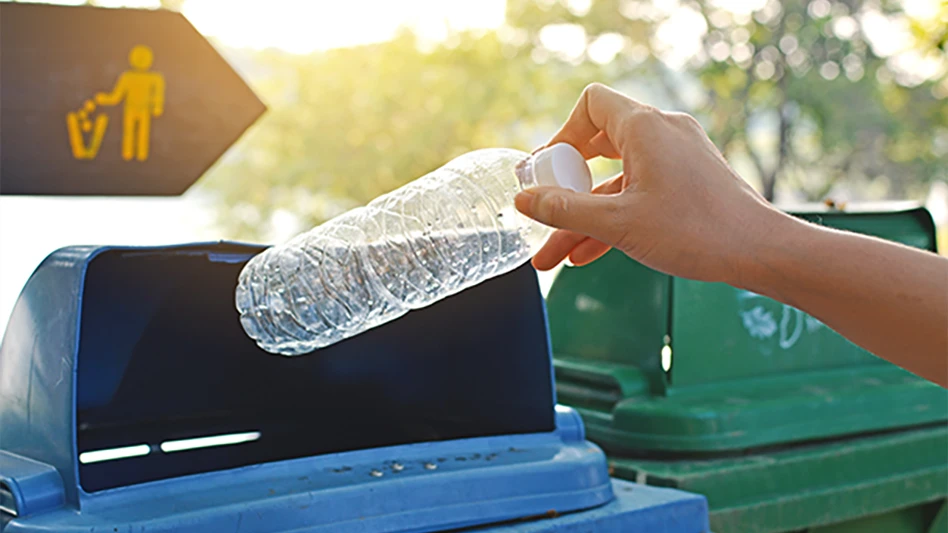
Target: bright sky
point(303, 26)
point(320, 24)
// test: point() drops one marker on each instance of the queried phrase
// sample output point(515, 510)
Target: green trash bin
point(783, 424)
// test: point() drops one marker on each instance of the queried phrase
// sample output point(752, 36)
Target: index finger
point(599, 109)
point(562, 242)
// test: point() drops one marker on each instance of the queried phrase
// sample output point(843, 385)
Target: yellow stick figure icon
point(144, 95)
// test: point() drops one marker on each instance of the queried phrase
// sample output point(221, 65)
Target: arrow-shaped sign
point(98, 101)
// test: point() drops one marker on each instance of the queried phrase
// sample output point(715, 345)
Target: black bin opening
point(169, 385)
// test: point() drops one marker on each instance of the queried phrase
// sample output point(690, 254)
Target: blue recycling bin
point(131, 400)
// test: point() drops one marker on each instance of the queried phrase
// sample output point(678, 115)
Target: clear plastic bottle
point(438, 235)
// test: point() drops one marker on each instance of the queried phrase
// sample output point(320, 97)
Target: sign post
point(97, 101)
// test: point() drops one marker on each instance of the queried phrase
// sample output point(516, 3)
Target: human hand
point(677, 207)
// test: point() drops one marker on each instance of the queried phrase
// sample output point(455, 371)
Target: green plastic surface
point(881, 483)
point(739, 415)
point(746, 371)
point(746, 335)
point(940, 523)
point(912, 520)
point(618, 315)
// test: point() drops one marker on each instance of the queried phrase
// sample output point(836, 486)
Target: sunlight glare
point(305, 26)
point(921, 9)
point(141, 4)
point(744, 7)
point(565, 40)
point(678, 38)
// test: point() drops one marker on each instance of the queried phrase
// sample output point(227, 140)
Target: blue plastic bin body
point(443, 419)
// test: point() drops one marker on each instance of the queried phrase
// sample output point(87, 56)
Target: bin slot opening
point(163, 363)
point(7, 500)
point(111, 454)
point(171, 446)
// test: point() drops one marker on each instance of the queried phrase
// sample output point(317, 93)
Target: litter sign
point(97, 101)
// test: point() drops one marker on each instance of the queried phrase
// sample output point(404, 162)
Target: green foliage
point(348, 125)
point(795, 88)
point(793, 93)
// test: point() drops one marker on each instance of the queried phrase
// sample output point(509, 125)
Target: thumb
point(593, 215)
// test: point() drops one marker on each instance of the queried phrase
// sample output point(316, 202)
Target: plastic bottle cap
point(561, 165)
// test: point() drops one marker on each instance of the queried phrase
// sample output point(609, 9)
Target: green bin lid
point(868, 484)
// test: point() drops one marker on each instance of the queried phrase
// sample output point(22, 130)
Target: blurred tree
point(347, 125)
point(806, 97)
point(810, 92)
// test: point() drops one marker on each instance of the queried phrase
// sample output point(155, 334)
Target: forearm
point(890, 299)
point(114, 97)
point(108, 98)
point(682, 210)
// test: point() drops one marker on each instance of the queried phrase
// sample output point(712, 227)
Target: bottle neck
point(526, 173)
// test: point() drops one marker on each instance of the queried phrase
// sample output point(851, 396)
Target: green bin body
point(783, 424)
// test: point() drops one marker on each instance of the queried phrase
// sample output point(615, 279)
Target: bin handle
point(28, 487)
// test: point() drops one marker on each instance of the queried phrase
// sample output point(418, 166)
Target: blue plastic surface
point(28, 487)
point(424, 424)
point(635, 508)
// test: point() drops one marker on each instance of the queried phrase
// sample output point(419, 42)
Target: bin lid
point(804, 487)
point(129, 392)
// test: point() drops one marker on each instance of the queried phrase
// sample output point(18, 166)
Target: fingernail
point(526, 194)
point(524, 200)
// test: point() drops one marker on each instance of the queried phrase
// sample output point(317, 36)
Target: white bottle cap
point(561, 165)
